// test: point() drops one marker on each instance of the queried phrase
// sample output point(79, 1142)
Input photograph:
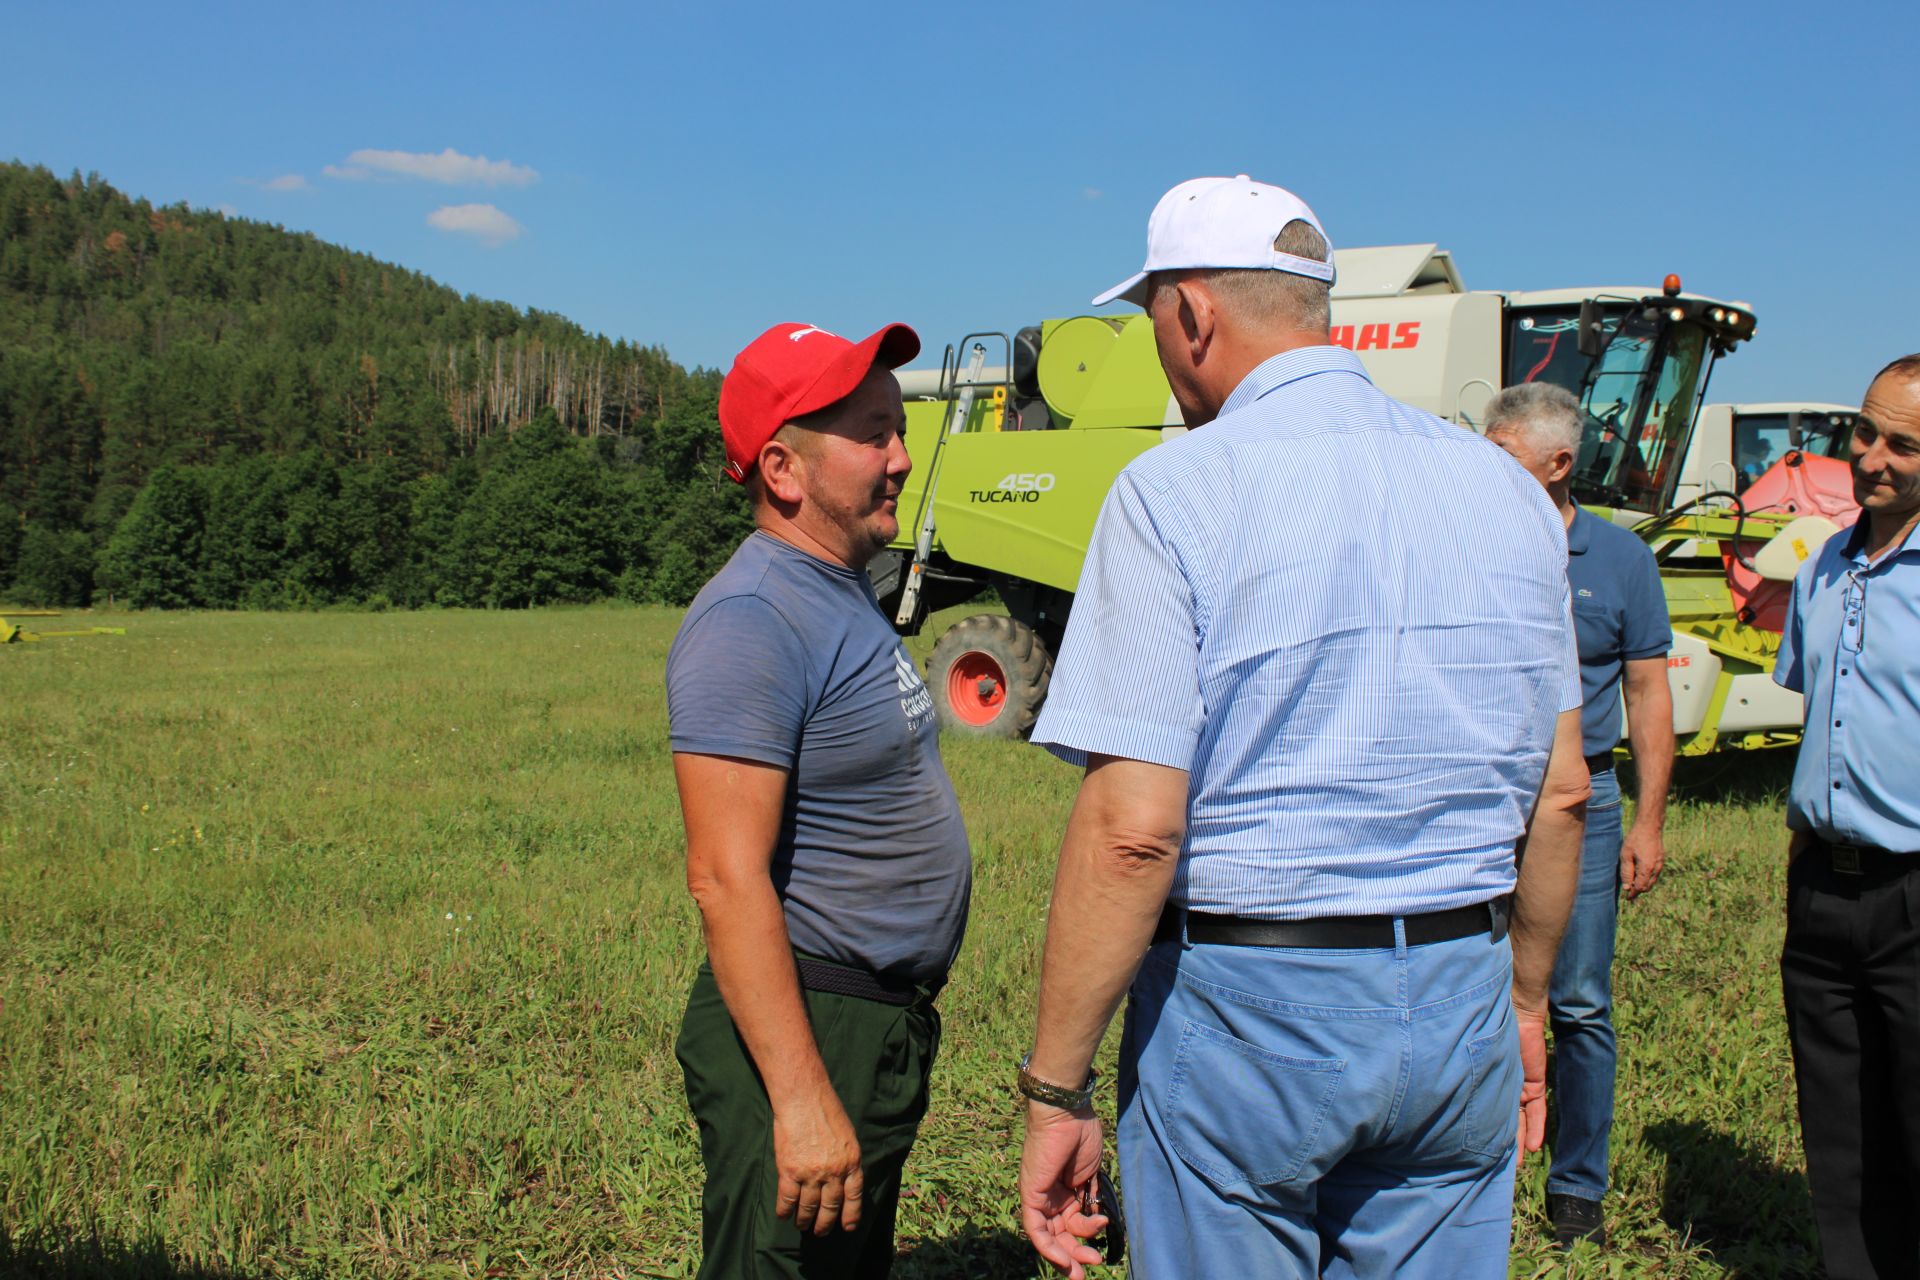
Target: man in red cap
point(824, 844)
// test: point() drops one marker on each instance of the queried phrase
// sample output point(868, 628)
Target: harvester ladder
point(964, 390)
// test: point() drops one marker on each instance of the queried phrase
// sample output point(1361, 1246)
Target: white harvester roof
point(1391, 270)
point(1398, 270)
point(1793, 406)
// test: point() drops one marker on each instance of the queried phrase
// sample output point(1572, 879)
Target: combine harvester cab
point(1016, 439)
point(1727, 562)
point(1734, 444)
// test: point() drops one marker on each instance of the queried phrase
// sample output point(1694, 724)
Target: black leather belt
point(839, 980)
point(1330, 933)
point(1600, 762)
point(1864, 859)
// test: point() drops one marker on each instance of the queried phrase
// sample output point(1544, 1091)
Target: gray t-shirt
point(786, 659)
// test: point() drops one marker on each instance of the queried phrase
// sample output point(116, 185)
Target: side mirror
point(1794, 435)
point(1593, 334)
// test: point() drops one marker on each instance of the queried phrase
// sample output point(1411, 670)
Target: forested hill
point(198, 410)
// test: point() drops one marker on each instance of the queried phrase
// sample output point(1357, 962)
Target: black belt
point(1864, 859)
point(1335, 932)
point(839, 980)
point(1600, 762)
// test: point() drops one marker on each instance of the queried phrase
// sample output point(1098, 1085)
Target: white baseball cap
point(1221, 223)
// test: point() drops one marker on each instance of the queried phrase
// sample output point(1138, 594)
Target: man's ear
point(781, 471)
point(1197, 318)
point(1561, 467)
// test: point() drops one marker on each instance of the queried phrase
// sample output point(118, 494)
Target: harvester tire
point(988, 676)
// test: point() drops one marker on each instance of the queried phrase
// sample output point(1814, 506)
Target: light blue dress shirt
point(1349, 622)
point(1852, 645)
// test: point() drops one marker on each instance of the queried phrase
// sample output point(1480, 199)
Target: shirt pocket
point(1597, 627)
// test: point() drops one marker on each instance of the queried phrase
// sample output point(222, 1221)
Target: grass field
point(354, 944)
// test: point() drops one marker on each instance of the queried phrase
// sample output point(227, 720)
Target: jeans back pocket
point(1240, 1115)
point(1493, 1101)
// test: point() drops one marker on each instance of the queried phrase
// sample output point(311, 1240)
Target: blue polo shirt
point(1852, 645)
point(1360, 681)
point(1619, 616)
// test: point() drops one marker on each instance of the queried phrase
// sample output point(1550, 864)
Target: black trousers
point(879, 1058)
point(1851, 975)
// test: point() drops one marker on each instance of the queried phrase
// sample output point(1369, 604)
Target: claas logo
point(1377, 337)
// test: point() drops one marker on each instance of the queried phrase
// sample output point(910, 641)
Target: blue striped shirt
point(1349, 622)
point(1852, 646)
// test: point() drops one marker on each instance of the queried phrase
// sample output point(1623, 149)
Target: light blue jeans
point(1580, 1007)
point(1291, 1112)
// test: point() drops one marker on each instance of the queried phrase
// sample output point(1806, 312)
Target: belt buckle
point(1845, 859)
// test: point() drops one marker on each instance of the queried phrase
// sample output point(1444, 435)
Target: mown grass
point(345, 944)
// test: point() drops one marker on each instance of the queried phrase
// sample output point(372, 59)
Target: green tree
point(539, 527)
point(153, 558)
point(53, 569)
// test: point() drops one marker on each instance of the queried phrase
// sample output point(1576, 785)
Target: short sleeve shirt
point(1349, 622)
point(1619, 616)
point(1851, 645)
point(786, 659)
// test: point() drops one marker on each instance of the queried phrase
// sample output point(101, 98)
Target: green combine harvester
point(1017, 438)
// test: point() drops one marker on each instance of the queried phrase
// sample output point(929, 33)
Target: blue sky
point(686, 174)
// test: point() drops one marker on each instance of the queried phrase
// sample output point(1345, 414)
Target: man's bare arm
point(732, 809)
point(1643, 853)
point(1116, 865)
point(1543, 893)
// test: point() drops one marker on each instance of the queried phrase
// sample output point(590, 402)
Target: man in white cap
point(1320, 671)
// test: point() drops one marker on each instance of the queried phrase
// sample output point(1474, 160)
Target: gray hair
point(1543, 413)
point(1278, 299)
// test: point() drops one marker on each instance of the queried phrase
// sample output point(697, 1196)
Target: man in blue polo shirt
point(1620, 616)
point(1315, 710)
point(1850, 970)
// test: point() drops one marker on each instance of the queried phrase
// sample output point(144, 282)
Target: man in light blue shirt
point(1850, 969)
point(1319, 666)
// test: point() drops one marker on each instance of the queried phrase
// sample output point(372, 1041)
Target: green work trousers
point(878, 1056)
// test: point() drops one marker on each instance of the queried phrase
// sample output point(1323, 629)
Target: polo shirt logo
point(1584, 593)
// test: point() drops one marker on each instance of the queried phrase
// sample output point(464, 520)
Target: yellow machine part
point(13, 633)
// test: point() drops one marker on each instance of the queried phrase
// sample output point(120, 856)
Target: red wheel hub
point(976, 687)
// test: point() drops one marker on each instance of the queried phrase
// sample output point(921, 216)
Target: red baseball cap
point(792, 370)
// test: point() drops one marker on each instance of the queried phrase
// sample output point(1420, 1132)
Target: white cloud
point(481, 221)
point(286, 182)
point(449, 167)
point(1091, 193)
point(228, 210)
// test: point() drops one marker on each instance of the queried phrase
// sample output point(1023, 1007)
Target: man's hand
point(818, 1157)
point(1062, 1154)
point(1643, 854)
point(733, 809)
point(1533, 1080)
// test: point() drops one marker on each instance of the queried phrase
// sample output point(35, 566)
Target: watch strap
point(1063, 1096)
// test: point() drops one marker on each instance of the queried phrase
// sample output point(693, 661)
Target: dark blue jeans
point(1580, 1006)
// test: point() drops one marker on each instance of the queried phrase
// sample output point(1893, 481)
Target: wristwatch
point(1055, 1095)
